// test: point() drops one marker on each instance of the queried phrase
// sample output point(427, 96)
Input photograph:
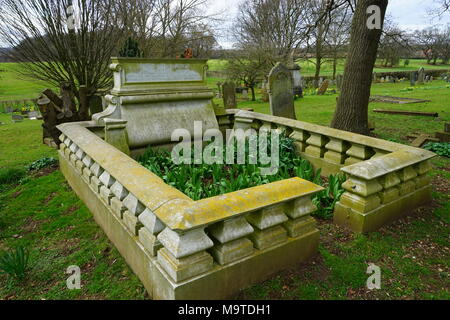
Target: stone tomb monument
point(157, 98)
point(281, 92)
point(229, 95)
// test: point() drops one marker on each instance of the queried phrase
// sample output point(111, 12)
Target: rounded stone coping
point(326, 131)
point(181, 215)
point(400, 156)
point(383, 165)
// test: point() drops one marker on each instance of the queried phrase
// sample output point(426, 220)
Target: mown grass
point(41, 213)
point(308, 66)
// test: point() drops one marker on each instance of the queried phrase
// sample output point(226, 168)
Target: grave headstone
point(421, 76)
point(412, 78)
point(229, 95)
point(33, 115)
point(431, 78)
point(245, 94)
point(281, 92)
point(323, 88)
point(382, 79)
point(374, 77)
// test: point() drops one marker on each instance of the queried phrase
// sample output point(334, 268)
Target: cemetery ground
point(39, 211)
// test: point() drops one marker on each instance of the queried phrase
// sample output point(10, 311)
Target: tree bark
point(352, 107)
point(253, 93)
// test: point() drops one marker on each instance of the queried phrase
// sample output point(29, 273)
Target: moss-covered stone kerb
point(123, 204)
point(384, 179)
point(190, 239)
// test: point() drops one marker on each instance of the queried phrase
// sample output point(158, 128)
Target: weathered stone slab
point(229, 95)
point(281, 92)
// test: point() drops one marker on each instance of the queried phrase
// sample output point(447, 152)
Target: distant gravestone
point(281, 92)
point(382, 79)
point(421, 76)
point(229, 95)
point(33, 115)
point(431, 78)
point(374, 77)
point(323, 88)
point(16, 118)
point(245, 94)
point(412, 78)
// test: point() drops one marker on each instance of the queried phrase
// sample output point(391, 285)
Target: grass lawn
point(308, 66)
point(42, 213)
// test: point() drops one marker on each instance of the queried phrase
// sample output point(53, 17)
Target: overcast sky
point(408, 14)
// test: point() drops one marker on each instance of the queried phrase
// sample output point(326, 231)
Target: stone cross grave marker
point(281, 92)
point(323, 88)
point(229, 95)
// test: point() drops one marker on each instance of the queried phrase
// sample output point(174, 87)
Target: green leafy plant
point(14, 263)
point(440, 148)
point(327, 199)
point(42, 164)
point(200, 181)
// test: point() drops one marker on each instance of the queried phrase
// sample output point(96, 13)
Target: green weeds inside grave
point(199, 181)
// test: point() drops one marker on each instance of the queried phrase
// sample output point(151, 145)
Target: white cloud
point(408, 14)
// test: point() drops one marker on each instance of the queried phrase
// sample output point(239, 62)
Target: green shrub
point(42, 163)
point(440, 148)
point(14, 263)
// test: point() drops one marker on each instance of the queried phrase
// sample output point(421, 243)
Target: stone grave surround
point(212, 248)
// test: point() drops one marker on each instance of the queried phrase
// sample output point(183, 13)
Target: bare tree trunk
point(352, 107)
point(335, 61)
point(318, 55)
point(253, 93)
